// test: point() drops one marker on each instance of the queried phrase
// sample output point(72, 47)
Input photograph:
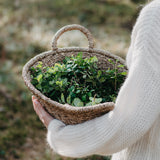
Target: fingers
point(37, 106)
point(43, 115)
point(33, 98)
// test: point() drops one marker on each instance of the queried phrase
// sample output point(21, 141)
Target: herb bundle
point(78, 81)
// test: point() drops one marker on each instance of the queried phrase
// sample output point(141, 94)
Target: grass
point(26, 29)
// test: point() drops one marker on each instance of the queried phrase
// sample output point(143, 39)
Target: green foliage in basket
point(78, 81)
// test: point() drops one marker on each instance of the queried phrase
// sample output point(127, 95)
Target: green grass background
point(26, 29)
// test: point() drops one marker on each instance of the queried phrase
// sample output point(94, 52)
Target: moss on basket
point(78, 81)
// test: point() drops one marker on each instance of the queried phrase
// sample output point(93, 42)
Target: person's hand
point(43, 115)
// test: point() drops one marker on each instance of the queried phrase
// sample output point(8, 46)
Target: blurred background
point(26, 29)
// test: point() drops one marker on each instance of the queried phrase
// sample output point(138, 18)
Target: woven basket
point(67, 113)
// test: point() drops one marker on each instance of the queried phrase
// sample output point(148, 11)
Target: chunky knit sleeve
point(136, 109)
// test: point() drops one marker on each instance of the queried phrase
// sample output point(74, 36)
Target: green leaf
point(58, 65)
point(102, 79)
point(51, 82)
point(80, 104)
point(72, 88)
point(84, 76)
point(114, 99)
point(59, 83)
point(93, 102)
point(77, 102)
point(110, 61)
point(91, 98)
point(39, 65)
point(64, 81)
point(50, 70)
point(66, 59)
point(89, 104)
point(62, 98)
point(124, 73)
point(84, 97)
point(32, 69)
point(120, 66)
point(39, 78)
point(98, 100)
point(93, 59)
point(99, 73)
point(89, 94)
point(89, 80)
point(79, 56)
point(38, 86)
point(78, 91)
point(69, 99)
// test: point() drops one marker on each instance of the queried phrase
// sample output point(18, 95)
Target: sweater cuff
point(53, 128)
point(54, 124)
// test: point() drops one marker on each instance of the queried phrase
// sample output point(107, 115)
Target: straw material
point(67, 113)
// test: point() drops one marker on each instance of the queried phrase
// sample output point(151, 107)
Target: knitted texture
point(131, 131)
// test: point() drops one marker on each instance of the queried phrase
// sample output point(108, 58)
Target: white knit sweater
point(133, 128)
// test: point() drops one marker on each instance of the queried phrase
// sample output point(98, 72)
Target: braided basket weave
point(64, 112)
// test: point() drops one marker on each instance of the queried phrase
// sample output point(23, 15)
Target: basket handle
point(69, 28)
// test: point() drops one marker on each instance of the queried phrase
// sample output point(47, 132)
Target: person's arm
point(45, 117)
point(136, 109)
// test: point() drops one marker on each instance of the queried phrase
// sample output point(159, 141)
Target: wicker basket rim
point(66, 107)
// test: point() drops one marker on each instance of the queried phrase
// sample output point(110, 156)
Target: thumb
point(43, 115)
